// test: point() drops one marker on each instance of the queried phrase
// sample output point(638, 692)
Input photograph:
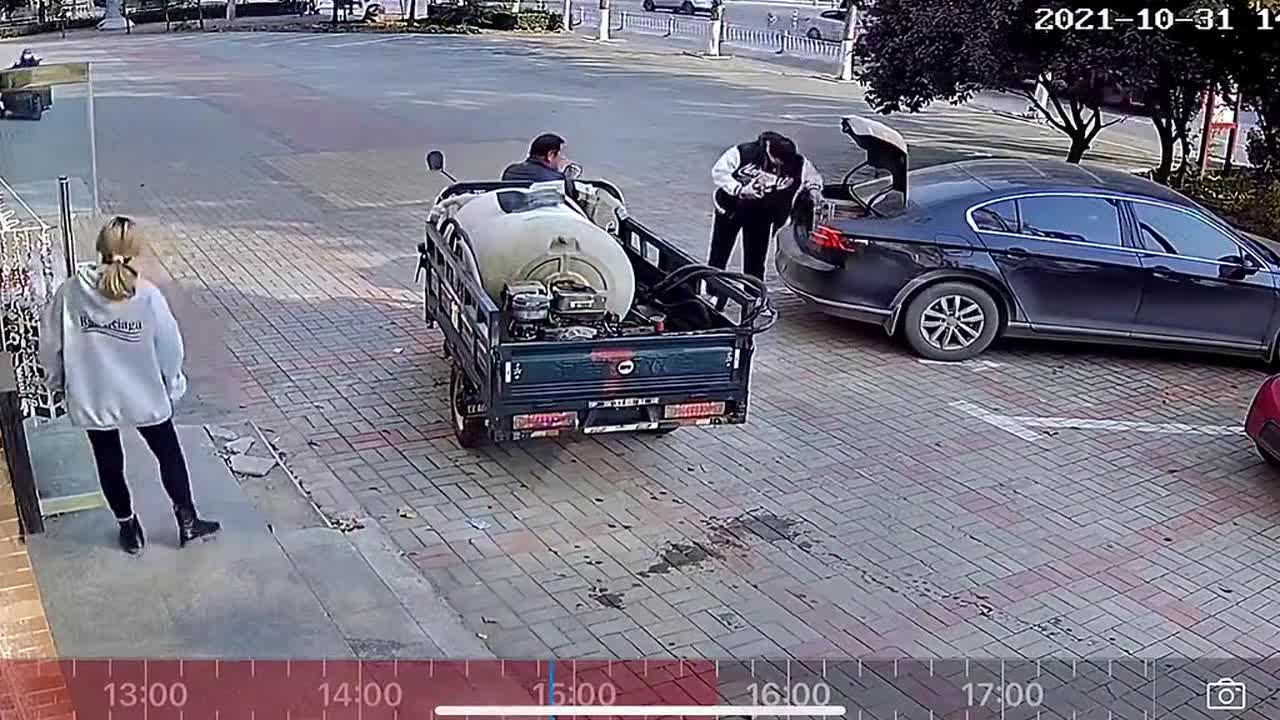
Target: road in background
point(753, 13)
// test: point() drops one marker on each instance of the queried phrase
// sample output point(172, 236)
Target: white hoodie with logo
point(119, 363)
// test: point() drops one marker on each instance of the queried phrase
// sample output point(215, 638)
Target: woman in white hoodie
point(111, 345)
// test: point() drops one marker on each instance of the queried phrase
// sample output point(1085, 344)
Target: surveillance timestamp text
point(1103, 19)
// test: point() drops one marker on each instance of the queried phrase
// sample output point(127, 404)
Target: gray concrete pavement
point(276, 582)
point(874, 504)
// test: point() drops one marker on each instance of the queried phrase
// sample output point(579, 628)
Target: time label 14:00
point(1051, 19)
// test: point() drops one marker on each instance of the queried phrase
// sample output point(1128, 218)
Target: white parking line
point(977, 365)
point(1026, 426)
point(384, 38)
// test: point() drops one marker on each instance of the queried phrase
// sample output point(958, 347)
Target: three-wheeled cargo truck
point(561, 313)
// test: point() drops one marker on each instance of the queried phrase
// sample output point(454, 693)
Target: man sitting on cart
point(546, 161)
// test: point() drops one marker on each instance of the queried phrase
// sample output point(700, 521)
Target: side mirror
point(435, 163)
point(573, 171)
point(1237, 267)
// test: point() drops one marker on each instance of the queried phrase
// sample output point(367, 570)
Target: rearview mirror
point(573, 171)
point(435, 161)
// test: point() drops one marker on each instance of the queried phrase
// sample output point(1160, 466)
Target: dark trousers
point(756, 229)
point(108, 455)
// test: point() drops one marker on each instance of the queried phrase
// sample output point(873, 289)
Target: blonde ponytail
point(119, 242)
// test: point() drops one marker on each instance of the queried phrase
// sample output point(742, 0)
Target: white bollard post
point(795, 22)
point(604, 21)
point(566, 19)
point(231, 10)
point(846, 44)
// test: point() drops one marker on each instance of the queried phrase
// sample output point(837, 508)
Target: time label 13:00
point(1145, 19)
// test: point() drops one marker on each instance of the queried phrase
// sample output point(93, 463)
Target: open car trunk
point(883, 196)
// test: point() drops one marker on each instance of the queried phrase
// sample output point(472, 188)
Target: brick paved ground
point(858, 512)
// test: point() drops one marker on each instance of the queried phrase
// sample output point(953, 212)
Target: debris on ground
point(407, 513)
point(241, 446)
point(221, 434)
point(251, 466)
point(346, 524)
point(479, 524)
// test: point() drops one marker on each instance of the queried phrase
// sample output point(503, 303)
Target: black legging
point(108, 454)
point(756, 228)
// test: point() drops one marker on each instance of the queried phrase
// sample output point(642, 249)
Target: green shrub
point(14, 31)
point(1263, 148)
point(1250, 199)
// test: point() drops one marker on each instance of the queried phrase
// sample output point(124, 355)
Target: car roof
point(980, 179)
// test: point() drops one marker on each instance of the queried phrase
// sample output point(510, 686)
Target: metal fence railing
point(743, 36)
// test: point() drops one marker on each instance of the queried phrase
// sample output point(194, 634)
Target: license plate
point(628, 427)
point(622, 403)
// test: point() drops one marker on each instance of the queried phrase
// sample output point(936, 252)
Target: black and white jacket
point(746, 164)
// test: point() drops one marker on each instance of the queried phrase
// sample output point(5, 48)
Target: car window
point(1082, 219)
point(997, 217)
point(1167, 230)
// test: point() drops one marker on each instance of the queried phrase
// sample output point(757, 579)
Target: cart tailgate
point(550, 373)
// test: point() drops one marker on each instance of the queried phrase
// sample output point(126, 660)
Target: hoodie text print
point(119, 363)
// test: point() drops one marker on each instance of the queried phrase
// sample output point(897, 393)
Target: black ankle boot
point(192, 527)
point(131, 538)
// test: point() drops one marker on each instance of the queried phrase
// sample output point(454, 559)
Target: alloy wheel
point(952, 322)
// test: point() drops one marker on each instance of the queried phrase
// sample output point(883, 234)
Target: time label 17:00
point(1052, 19)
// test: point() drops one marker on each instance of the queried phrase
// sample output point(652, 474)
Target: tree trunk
point(1166, 153)
point(335, 11)
point(413, 12)
point(1079, 144)
point(200, 12)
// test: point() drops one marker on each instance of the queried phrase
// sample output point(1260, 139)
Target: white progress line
point(639, 710)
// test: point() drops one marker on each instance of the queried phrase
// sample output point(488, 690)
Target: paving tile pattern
point(857, 513)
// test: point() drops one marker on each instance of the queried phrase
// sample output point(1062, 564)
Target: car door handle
point(1161, 271)
point(1017, 252)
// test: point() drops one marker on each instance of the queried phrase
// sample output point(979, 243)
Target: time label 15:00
point(1053, 19)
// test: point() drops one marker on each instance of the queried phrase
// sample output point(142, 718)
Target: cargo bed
point(697, 372)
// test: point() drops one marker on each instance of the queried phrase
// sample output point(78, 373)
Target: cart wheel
point(469, 431)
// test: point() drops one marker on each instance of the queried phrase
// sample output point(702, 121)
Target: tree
point(914, 52)
point(1255, 68)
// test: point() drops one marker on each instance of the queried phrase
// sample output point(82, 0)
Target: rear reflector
point(693, 410)
point(545, 421)
point(825, 237)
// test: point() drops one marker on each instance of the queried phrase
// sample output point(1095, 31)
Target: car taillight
point(825, 237)
point(684, 411)
point(545, 421)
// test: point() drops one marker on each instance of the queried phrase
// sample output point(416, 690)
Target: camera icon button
point(1225, 694)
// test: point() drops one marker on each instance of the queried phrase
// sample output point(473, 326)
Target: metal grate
point(26, 287)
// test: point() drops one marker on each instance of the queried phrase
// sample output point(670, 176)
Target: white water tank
point(533, 234)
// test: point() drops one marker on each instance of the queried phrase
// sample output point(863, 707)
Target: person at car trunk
point(756, 184)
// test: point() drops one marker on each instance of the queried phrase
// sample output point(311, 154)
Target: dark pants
point(756, 229)
point(108, 455)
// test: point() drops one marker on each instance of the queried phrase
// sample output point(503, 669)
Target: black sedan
point(987, 248)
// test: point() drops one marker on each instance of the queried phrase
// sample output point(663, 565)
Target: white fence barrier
point(687, 28)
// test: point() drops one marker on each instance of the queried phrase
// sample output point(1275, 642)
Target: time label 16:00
point(1103, 19)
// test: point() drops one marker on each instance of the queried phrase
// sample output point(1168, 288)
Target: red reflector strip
point(825, 237)
point(693, 410)
point(545, 421)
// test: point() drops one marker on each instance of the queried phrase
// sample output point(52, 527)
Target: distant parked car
point(1262, 425)
point(683, 7)
point(828, 25)
point(349, 9)
point(981, 249)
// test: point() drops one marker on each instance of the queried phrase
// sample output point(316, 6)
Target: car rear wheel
point(951, 321)
point(1267, 455)
point(814, 34)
